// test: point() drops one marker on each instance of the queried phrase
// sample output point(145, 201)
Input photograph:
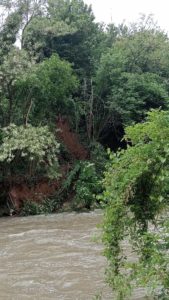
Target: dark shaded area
point(113, 138)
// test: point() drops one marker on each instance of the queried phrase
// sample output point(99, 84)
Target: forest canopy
point(70, 88)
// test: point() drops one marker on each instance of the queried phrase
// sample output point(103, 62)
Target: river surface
point(53, 257)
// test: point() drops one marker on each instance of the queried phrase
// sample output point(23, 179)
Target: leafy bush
point(33, 147)
point(47, 206)
point(137, 195)
point(99, 156)
point(86, 186)
point(84, 183)
point(30, 208)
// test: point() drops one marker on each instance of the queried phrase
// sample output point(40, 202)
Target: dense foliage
point(136, 194)
point(26, 150)
point(70, 81)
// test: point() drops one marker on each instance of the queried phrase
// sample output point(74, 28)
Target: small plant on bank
point(47, 206)
point(84, 184)
point(30, 208)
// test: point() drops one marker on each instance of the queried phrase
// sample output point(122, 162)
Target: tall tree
point(20, 13)
point(132, 77)
point(14, 66)
point(8, 32)
point(70, 31)
point(47, 89)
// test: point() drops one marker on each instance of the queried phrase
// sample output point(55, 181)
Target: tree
point(20, 13)
point(8, 33)
point(132, 78)
point(15, 64)
point(136, 195)
point(47, 89)
point(39, 36)
point(70, 31)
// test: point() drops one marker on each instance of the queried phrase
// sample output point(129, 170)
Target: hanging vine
point(136, 195)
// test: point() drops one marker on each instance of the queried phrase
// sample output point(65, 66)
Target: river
point(53, 257)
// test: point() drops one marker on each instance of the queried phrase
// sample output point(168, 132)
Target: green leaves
point(14, 67)
point(137, 193)
point(67, 29)
point(49, 86)
point(86, 186)
point(132, 77)
point(35, 145)
point(85, 183)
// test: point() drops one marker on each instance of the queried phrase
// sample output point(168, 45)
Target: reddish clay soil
point(70, 140)
point(20, 192)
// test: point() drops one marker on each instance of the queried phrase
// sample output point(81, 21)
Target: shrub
point(47, 206)
point(84, 184)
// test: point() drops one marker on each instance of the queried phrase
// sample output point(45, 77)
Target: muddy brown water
point(53, 257)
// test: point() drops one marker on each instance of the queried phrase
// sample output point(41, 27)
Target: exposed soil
point(19, 191)
point(70, 140)
point(22, 192)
